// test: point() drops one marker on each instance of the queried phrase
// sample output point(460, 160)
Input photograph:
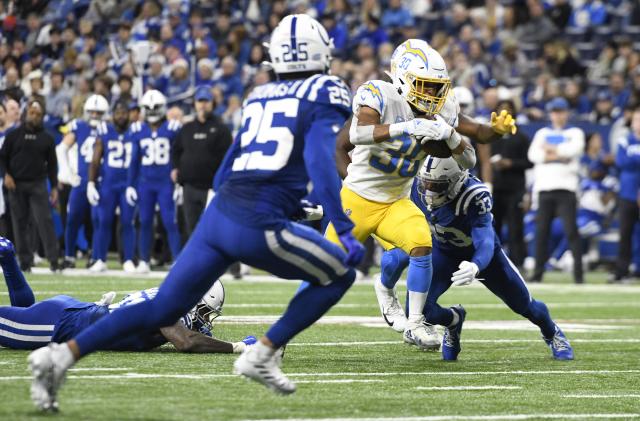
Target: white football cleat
point(98, 266)
point(390, 307)
point(143, 267)
point(129, 267)
point(263, 369)
point(422, 335)
point(48, 376)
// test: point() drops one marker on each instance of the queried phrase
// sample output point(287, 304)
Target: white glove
point(131, 195)
point(107, 298)
point(424, 130)
point(74, 180)
point(178, 194)
point(92, 194)
point(466, 274)
point(210, 194)
point(312, 211)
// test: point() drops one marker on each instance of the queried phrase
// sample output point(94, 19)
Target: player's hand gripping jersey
point(383, 172)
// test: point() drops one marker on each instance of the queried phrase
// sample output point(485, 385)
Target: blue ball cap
point(203, 93)
point(558, 104)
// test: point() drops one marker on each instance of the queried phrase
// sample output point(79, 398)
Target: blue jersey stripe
point(294, 47)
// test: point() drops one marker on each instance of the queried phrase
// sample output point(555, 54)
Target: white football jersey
point(383, 172)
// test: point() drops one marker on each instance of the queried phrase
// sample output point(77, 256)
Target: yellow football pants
point(398, 224)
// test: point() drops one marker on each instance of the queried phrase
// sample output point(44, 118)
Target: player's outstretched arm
point(186, 340)
point(486, 133)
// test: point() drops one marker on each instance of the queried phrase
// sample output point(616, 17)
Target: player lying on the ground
point(26, 324)
point(458, 208)
point(286, 142)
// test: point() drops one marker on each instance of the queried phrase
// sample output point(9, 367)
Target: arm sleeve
point(536, 153)
point(574, 147)
point(52, 162)
point(482, 233)
point(319, 158)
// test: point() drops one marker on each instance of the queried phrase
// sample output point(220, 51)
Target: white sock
point(416, 305)
point(380, 286)
point(263, 350)
point(63, 356)
point(456, 318)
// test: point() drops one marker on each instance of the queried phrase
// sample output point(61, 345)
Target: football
point(437, 148)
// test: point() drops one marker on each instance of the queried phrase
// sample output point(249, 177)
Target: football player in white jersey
point(378, 161)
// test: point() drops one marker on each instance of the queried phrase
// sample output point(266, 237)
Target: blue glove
point(6, 249)
point(355, 250)
point(250, 340)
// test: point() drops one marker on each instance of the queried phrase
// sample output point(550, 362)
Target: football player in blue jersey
point(149, 174)
point(83, 133)
point(285, 144)
point(465, 247)
point(26, 324)
point(113, 149)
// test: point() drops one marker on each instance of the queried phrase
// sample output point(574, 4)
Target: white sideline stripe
point(467, 341)
point(468, 387)
point(388, 374)
point(89, 369)
point(24, 326)
point(471, 417)
point(602, 396)
point(26, 338)
point(341, 381)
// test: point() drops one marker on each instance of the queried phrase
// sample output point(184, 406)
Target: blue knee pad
point(392, 264)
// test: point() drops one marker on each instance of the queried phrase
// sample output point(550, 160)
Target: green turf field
point(353, 367)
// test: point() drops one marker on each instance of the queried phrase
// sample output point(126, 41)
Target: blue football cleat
point(250, 340)
point(6, 248)
point(451, 339)
point(560, 346)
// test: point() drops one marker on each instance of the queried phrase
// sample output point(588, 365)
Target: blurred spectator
point(628, 162)
point(559, 13)
point(561, 60)
point(603, 111)
point(578, 101)
point(336, 30)
point(601, 68)
point(589, 14)
point(179, 85)
point(510, 67)
point(539, 28)
point(156, 78)
point(623, 57)
point(555, 152)
point(618, 91)
point(27, 159)
point(371, 33)
point(509, 161)
point(59, 98)
point(204, 76)
point(396, 17)
point(230, 84)
point(197, 153)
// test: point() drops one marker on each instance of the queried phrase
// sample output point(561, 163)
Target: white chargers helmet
point(95, 109)
point(420, 75)
point(210, 307)
point(465, 100)
point(300, 44)
point(440, 180)
point(154, 106)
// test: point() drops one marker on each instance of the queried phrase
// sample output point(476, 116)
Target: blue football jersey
point(452, 224)
point(151, 150)
point(85, 138)
point(264, 175)
point(116, 157)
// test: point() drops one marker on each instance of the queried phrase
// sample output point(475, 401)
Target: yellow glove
point(503, 123)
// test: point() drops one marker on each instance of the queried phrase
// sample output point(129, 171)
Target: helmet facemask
point(440, 181)
point(155, 113)
point(419, 97)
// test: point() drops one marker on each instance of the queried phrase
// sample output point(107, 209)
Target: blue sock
point(538, 314)
point(307, 306)
point(419, 274)
point(392, 264)
point(20, 293)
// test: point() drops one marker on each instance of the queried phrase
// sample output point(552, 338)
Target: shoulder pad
point(475, 198)
point(370, 95)
point(173, 125)
point(135, 127)
point(326, 89)
point(102, 129)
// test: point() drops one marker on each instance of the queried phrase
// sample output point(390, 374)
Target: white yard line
point(611, 396)
point(467, 341)
point(347, 375)
point(463, 388)
point(473, 417)
point(342, 381)
point(90, 369)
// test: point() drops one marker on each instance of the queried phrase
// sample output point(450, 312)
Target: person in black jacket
point(509, 161)
point(197, 153)
point(27, 158)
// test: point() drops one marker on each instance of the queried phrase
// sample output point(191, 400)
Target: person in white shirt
point(555, 152)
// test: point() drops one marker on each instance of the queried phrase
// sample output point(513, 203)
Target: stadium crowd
point(578, 58)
